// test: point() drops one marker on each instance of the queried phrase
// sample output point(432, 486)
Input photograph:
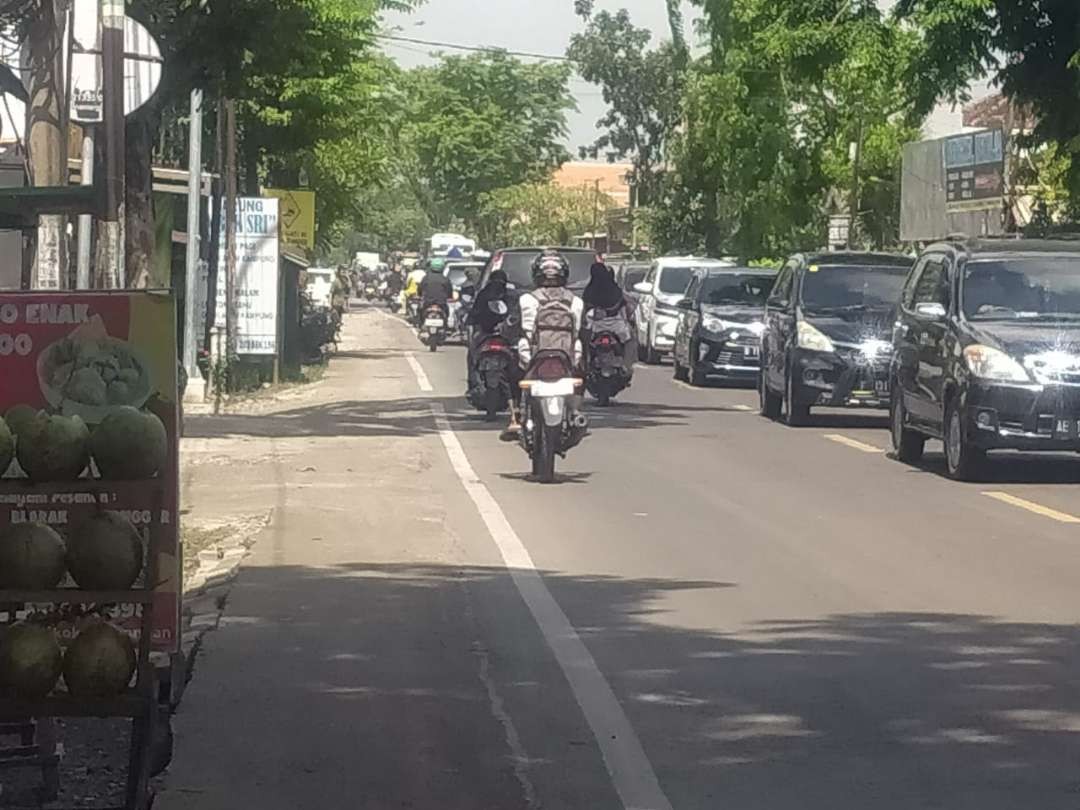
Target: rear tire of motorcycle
point(603, 399)
point(492, 401)
point(433, 345)
point(544, 460)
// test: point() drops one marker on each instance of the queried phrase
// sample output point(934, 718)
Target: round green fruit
point(129, 444)
point(31, 557)
point(30, 660)
point(105, 553)
point(99, 662)
point(54, 448)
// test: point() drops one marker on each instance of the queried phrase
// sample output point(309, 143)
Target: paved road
point(786, 618)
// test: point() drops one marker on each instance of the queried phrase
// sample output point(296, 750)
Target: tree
point(539, 214)
point(642, 88)
point(483, 122)
point(1030, 49)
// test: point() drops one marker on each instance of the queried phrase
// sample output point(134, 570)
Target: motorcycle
point(496, 361)
point(607, 374)
point(370, 290)
point(552, 425)
point(412, 309)
point(433, 327)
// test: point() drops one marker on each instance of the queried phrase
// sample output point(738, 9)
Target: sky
point(545, 26)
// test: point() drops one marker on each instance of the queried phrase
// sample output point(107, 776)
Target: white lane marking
point(631, 772)
point(853, 443)
point(1031, 506)
point(421, 377)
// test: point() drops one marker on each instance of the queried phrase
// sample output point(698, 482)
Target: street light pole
point(192, 265)
point(112, 68)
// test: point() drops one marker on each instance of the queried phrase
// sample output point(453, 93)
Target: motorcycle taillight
point(550, 369)
point(604, 340)
point(496, 346)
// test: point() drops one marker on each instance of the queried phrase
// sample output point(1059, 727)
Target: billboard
point(257, 273)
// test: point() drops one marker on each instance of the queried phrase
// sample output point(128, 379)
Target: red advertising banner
point(68, 363)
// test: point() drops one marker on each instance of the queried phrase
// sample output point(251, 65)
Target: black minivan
point(987, 351)
point(828, 333)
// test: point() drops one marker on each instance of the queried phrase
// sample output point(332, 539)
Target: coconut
point(54, 448)
point(31, 557)
point(30, 660)
point(105, 553)
point(99, 662)
point(129, 444)
point(20, 417)
point(7, 447)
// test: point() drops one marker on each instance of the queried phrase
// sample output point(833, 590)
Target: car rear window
point(734, 289)
point(852, 287)
point(518, 267)
point(633, 275)
point(676, 279)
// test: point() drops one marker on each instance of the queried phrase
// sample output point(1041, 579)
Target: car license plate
point(1063, 428)
point(752, 352)
point(434, 323)
point(881, 388)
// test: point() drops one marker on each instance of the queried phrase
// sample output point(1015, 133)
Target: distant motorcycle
point(412, 309)
point(370, 290)
point(551, 427)
point(607, 374)
point(433, 326)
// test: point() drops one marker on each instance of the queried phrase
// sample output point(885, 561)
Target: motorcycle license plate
point(752, 352)
point(434, 323)
point(881, 388)
point(559, 388)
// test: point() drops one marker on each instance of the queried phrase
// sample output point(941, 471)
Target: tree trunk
point(46, 139)
point(139, 235)
point(250, 149)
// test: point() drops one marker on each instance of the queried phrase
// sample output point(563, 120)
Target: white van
point(442, 243)
point(663, 288)
point(320, 281)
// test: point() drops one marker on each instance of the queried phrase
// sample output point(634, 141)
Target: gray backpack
point(554, 328)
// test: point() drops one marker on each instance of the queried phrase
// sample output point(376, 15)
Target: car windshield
point(734, 289)
point(1027, 288)
point(517, 265)
point(634, 275)
point(676, 279)
point(845, 287)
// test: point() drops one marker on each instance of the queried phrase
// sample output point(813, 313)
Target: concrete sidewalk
point(352, 665)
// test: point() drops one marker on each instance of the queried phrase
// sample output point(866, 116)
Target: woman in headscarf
point(607, 309)
point(482, 313)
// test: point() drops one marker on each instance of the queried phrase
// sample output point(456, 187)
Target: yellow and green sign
point(297, 216)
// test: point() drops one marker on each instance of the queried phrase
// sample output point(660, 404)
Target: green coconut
point(105, 552)
point(129, 444)
point(20, 417)
point(54, 448)
point(99, 662)
point(31, 557)
point(30, 660)
point(7, 447)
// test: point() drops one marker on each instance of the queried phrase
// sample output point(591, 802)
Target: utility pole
point(111, 243)
point(86, 221)
point(856, 169)
point(596, 213)
point(192, 266)
point(230, 231)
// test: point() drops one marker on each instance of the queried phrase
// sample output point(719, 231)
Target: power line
point(475, 48)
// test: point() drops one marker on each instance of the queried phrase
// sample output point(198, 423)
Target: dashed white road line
point(855, 444)
point(624, 757)
point(1031, 506)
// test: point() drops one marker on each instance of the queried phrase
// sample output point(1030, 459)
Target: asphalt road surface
point(707, 610)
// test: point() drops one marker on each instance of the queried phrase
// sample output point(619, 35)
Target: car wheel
point(907, 444)
point(652, 357)
point(963, 460)
point(770, 404)
point(681, 372)
point(698, 378)
point(797, 413)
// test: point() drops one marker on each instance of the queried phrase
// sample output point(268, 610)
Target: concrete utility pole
point(86, 221)
point(111, 240)
point(230, 230)
point(856, 169)
point(193, 265)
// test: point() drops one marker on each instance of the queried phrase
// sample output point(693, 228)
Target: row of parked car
point(976, 343)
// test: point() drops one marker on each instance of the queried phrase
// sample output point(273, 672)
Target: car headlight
point(713, 324)
point(988, 363)
point(810, 337)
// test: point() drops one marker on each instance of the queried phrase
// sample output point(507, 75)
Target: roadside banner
point(257, 271)
point(79, 355)
point(297, 220)
point(974, 171)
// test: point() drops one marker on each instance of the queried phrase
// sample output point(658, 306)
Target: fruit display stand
point(139, 702)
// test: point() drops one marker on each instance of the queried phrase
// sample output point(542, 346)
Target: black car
point(516, 262)
point(987, 351)
point(629, 274)
point(828, 333)
point(720, 324)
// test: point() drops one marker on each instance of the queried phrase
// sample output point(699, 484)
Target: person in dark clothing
point(435, 288)
point(602, 290)
point(487, 316)
point(606, 305)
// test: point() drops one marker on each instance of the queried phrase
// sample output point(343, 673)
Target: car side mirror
point(643, 287)
point(930, 311)
point(686, 303)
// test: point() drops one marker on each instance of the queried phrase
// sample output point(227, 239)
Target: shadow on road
point(891, 711)
point(1015, 468)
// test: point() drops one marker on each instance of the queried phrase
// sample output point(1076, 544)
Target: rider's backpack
point(554, 330)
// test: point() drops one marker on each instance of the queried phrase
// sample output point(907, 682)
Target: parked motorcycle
point(433, 327)
point(552, 425)
point(607, 374)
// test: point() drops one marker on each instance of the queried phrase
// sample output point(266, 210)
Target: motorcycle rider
point(488, 316)
point(435, 288)
point(551, 316)
point(412, 285)
point(607, 309)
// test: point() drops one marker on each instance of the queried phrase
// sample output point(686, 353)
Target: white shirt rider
point(530, 308)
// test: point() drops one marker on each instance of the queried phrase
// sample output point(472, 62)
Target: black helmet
point(550, 269)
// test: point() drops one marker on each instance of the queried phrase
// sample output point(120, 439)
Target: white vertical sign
point(257, 270)
point(87, 101)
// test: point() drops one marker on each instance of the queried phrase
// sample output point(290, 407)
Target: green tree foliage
point(480, 123)
point(539, 214)
point(642, 88)
point(1031, 49)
